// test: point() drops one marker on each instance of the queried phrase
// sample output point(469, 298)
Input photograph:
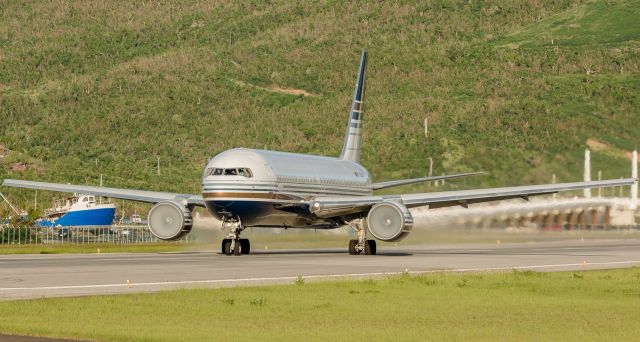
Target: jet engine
point(389, 221)
point(169, 220)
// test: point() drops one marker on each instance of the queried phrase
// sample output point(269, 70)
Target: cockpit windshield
point(234, 171)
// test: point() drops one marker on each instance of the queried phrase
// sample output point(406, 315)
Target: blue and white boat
point(78, 210)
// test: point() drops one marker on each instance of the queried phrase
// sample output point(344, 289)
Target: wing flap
point(127, 194)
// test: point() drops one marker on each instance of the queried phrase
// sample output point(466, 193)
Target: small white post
point(599, 179)
point(587, 171)
point(431, 169)
point(426, 127)
point(158, 166)
point(553, 181)
point(634, 187)
point(620, 189)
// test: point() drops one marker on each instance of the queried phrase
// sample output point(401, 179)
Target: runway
point(35, 276)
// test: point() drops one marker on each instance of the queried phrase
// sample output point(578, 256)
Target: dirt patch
point(18, 167)
point(596, 145)
point(289, 91)
point(16, 338)
point(276, 89)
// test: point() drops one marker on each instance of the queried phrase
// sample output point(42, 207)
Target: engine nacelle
point(169, 220)
point(389, 221)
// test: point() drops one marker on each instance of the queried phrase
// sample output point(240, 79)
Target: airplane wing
point(399, 182)
point(329, 206)
point(127, 194)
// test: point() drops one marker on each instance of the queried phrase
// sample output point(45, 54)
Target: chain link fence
point(115, 235)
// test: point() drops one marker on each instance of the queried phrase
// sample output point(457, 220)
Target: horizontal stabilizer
point(390, 184)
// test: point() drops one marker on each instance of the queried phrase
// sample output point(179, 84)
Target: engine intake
point(389, 221)
point(169, 220)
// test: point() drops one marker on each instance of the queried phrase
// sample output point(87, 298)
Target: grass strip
point(587, 305)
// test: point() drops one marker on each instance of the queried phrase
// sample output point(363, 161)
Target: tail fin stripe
point(353, 135)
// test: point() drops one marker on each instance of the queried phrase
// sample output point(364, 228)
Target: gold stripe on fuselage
point(248, 195)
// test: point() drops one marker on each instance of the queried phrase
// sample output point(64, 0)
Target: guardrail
point(116, 235)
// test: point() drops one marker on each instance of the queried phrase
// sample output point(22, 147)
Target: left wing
point(329, 206)
point(127, 194)
point(399, 182)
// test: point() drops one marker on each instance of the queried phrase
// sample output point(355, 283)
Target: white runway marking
point(310, 277)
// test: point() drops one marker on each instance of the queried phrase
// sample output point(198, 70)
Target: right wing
point(127, 194)
point(330, 206)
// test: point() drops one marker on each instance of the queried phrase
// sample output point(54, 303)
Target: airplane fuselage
point(269, 189)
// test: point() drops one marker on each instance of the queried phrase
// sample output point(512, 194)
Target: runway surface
point(34, 276)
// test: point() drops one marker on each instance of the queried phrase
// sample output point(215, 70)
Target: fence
point(116, 235)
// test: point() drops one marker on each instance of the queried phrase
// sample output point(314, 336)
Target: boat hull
point(91, 217)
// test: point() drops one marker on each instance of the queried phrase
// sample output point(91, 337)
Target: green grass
point(596, 23)
point(93, 248)
point(84, 94)
point(566, 306)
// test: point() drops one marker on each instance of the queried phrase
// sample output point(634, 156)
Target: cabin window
point(85, 199)
point(244, 172)
point(241, 171)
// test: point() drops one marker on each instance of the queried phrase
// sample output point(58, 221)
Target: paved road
point(32, 276)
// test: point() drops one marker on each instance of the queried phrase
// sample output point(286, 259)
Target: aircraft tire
point(226, 246)
point(352, 247)
point(370, 247)
point(238, 247)
point(245, 246)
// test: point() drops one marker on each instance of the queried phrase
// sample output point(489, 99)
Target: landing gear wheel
point(352, 247)
point(370, 247)
point(237, 248)
point(226, 246)
point(245, 246)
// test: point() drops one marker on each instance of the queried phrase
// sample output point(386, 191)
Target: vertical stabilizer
point(353, 135)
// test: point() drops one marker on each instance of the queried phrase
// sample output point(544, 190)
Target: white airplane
point(259, 188)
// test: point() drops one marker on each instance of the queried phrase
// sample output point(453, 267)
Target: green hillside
point(511, 87)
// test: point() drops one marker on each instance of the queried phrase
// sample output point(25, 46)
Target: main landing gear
point(361, 245)
point(233, 244)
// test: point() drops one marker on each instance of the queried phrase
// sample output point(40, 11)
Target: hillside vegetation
point(511, 87)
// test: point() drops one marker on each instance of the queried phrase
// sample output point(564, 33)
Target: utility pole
point(35, 201)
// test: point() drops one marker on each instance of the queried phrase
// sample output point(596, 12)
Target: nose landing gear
point(233, 244)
